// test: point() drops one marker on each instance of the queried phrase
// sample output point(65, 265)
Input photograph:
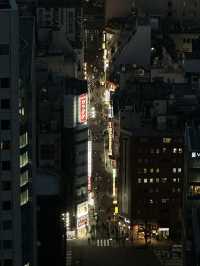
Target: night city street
point(99, 133)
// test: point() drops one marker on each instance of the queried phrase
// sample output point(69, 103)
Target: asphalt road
point(113, 256)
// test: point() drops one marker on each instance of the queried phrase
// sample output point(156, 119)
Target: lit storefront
point(82, 220)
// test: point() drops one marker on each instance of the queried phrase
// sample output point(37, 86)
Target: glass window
point(7, 224)
point(6, 185)
point(23, 141)
point(151, 180)
point(174, 170)
point(164, 149)
point(174, 180)
point(145, 180)
point(174, 150)
point(5, 145)
point(164, 180)
point(151, 170)
point(167, 140)
point(157, 151)
point(8, 262)
point(145, 170)
point(157, 180)
point(139, 180)
point(6, 205)
point(5, 124)
point(7, 244)
point(180, 150)
point(23, 159)
point(5, 103)
point(179, 170)
point(6, 165)
point(157, 170)
point(24, 178)
point(4, 49)
point(5, 83)
point(24, 197)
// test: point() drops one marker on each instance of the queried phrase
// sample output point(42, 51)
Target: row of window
point(152, 190)
point(157, 170)
point(157, 180)
point(162, 150)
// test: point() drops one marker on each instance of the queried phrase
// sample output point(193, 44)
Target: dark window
point(6, 185)
point(6, 205)
point(4, 49)
point(5, 124)
point(5, 145)
point(47, 152)
point(6, 165)
point(7, 244)
point(8, 262)
point(7, 224)
point(5, 103)
point(5, 82)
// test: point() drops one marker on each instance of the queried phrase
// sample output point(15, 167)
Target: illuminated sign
point(195, 155)
point(114, 182)
point(83, 108)
point(82, 214)
point(89, 165)
point(110, 136)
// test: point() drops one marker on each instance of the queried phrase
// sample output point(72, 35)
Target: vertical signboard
point(89, 165)
point(83, 108)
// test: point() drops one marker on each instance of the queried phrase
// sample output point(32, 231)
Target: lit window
point(151, 170)
point(145, 170)
point(178, 180)
point(179, 170)
point(174, 180)
point(180, 150)
point(24, 197)
point(139, 180)
point(178, 189)
point(157, 180)
point(167, 140)
point(145, 180)
point(157, 151)
point(151, 201)
point(164, 200)
point(23, 140)
point(164, 180)
point(174, 170)
point(174, 150)
point(164, 149)
point(23, 159)
point(24, 178)
point(157, 170)
point(151, 180)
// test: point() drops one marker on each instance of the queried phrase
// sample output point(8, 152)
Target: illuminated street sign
point(83, 108)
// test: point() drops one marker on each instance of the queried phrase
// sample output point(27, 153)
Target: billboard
point(82, 214)
point(83, 108)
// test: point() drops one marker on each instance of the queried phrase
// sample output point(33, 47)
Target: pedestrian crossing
point(167, 258)
point(103, 242)
point(68, 257)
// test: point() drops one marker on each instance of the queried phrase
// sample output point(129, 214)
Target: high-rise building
point(10, 213)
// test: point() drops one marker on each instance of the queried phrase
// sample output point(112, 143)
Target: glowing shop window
point(24, 197)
